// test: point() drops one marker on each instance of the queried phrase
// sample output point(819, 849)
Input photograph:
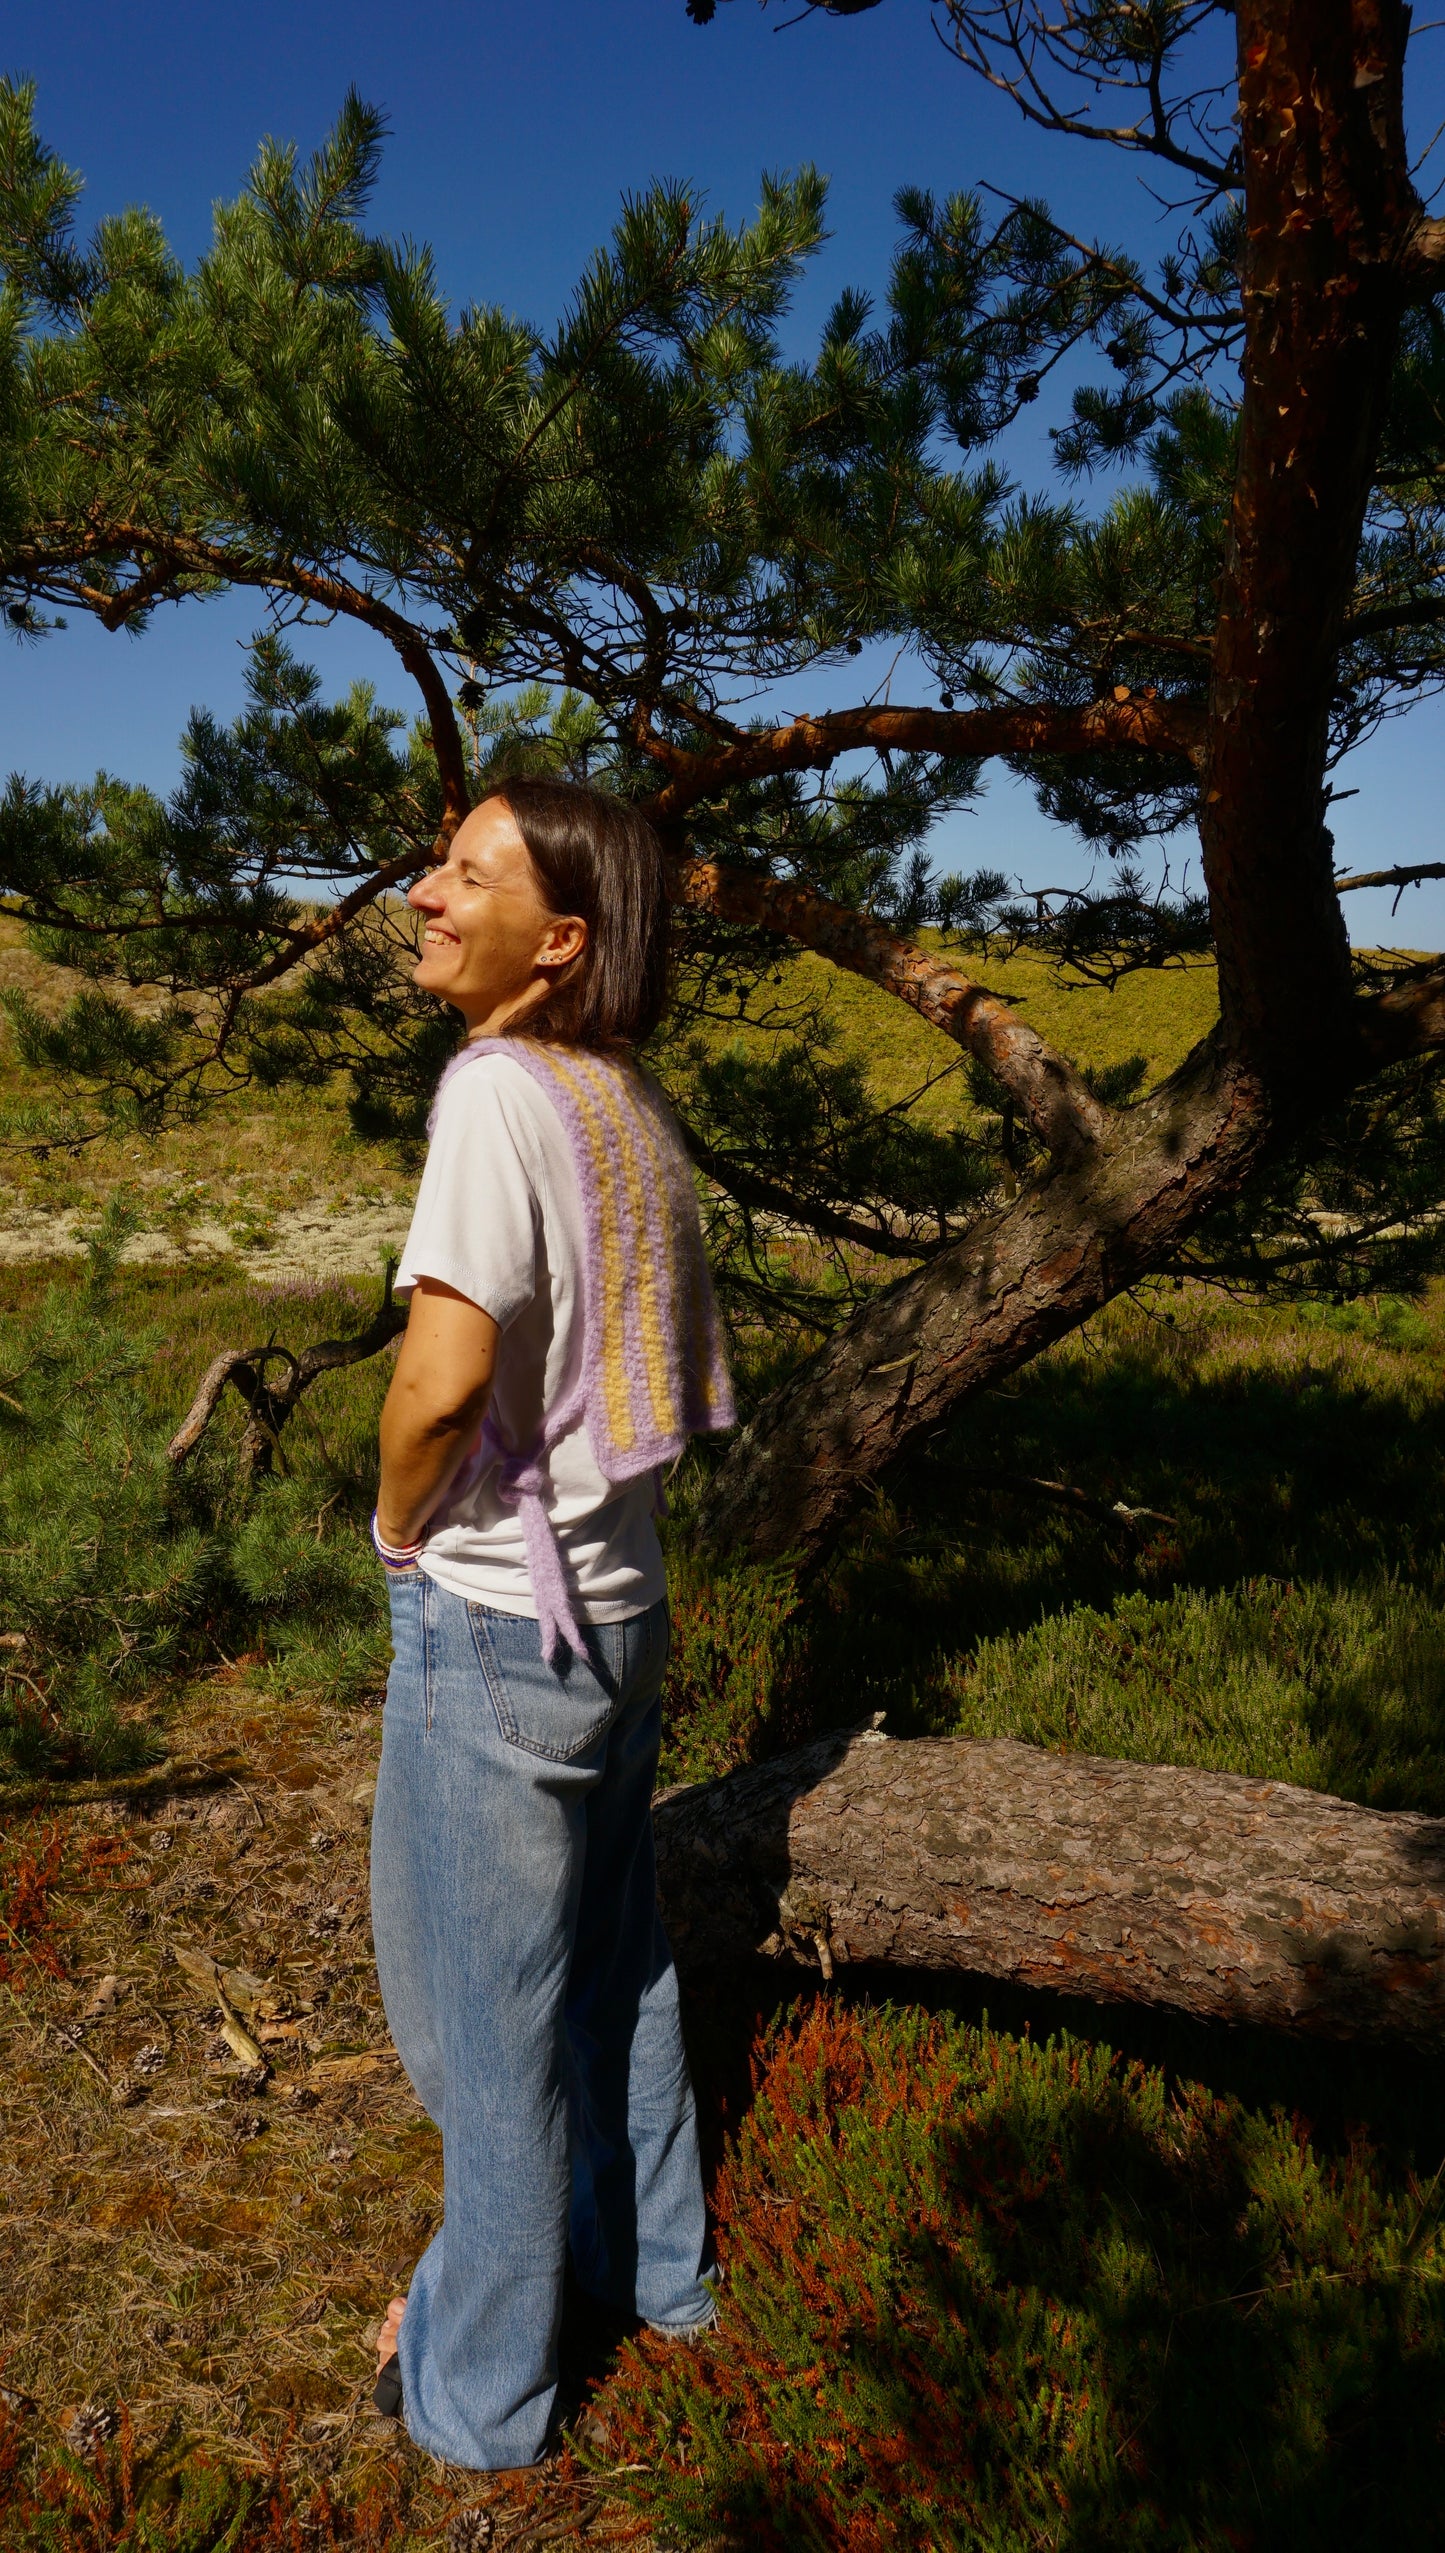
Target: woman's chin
point(429, 977)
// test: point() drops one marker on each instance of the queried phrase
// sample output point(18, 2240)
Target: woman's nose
point(425, 895)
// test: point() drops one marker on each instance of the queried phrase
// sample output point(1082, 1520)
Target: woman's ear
point(564, 940)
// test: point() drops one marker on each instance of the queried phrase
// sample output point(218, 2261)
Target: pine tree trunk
point(1331, 223)
point(1014, 1283)
point(1231, 1899)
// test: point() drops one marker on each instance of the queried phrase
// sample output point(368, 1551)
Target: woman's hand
point(435, 1407)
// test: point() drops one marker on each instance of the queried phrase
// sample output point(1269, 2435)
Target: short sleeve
point(478, 1213)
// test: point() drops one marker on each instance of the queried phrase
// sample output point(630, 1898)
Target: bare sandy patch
point(316, 1240)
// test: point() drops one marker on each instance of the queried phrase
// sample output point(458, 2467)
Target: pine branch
point(1418, 875)
point(1423, 265)
point(1059, 1105)
point(1133, 723)
point(1408, 1018)
point(1106, 1511)
point(1073, 45)
point(769, 1196)
point(270, 1409)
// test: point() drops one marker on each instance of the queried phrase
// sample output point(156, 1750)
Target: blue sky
point(516, 129)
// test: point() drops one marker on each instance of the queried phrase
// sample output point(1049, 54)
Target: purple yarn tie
point(521, 1482)
point(521, 1485)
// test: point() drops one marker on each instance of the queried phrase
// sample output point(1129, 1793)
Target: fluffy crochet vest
point(652, 1371)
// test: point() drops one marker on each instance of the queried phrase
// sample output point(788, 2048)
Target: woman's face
point(491, 948)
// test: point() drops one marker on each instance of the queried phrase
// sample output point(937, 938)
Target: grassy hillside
point(1158, 1014)
point(238, 1165)
point(262, 1154)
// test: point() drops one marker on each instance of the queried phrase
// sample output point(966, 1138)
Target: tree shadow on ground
point(1302, 1466)
point(1289, 1461)
point(1342, 2091)
point(1182, 2294)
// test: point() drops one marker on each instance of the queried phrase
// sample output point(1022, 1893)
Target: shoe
point(386, 2392)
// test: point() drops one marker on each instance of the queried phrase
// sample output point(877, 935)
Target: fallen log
point(1228, 1898)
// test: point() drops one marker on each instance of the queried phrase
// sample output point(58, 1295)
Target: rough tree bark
point(1061, 1106)
point(1231, 1899)
point(1330, 215)
point(1021, 1278)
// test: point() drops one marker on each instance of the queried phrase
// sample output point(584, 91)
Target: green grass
point(1286, 1622)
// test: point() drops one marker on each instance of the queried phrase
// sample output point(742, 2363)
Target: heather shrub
point(732, 1690)
point(177, 2498)
point(30, 1873)
point(1341, 1688)
point(985, 2293)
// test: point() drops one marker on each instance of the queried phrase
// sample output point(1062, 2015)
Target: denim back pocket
point(557, 1711)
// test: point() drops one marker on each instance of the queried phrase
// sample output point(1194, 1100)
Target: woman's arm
point(436, 1404)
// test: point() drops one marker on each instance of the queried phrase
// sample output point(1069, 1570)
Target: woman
point(562, 1344)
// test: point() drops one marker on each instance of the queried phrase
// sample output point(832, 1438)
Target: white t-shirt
point(498, 1217)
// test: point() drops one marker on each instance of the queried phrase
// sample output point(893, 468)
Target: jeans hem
point(469, 2464)
point(686, 2331)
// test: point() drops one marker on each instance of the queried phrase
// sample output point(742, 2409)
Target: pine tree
point(586, 548)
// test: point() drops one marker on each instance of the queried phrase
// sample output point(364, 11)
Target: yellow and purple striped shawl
point(653, 1368)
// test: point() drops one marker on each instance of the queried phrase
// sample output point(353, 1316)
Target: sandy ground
point(315, 1240)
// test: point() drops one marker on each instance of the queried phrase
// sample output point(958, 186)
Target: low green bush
point(732, 1686)
point(122, 1574)
point(1341, 1688)
point(109, 1581)
point(1383, 1318)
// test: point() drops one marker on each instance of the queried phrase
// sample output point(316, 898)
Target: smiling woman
point(562, 1346)
point(492, 947)
point(556, 901)
point(505, 947)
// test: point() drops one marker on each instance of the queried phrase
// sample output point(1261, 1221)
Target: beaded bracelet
point(396, 1557)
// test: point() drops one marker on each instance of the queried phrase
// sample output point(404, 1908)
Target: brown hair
point(599, 858)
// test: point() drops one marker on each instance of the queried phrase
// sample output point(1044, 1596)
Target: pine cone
point(88, 2427)
point(470, 2531)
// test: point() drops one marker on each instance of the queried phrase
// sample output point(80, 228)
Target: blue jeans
point(533, 2001)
